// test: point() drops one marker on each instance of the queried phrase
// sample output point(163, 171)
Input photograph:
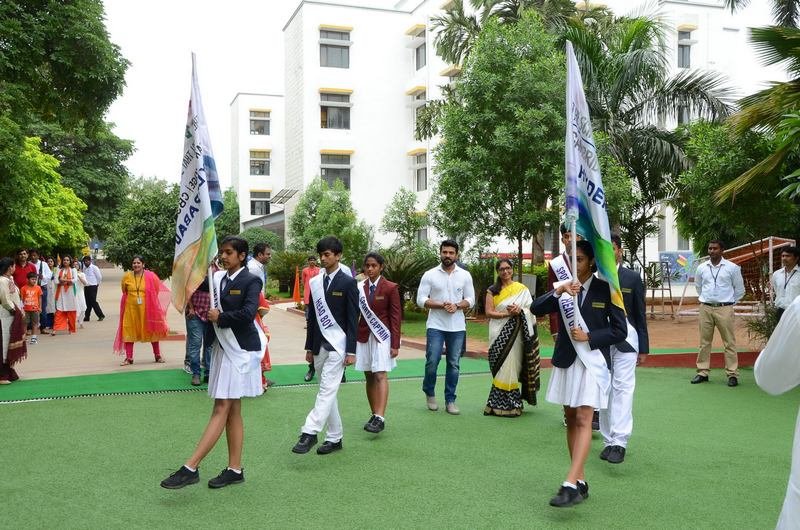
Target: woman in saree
point(66, 297)
point(142, 312)
point(514, 345)
point(12, 323)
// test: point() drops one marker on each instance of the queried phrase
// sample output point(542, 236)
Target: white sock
point(569, 485)
point(583, 482)
point(237, 471)
point(192, 469)
point(380, 417)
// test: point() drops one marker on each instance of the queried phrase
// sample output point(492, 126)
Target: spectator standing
point(32, 304)
point(44, 274)
point(21, 268)
point(719, 286)
point(66, 297)
point(262, 253)
point(786, 281)
point(197, 329)
point(12, 323)
point(93, 280)
point(309, 271)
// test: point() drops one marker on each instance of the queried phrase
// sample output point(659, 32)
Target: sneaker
point(605, 452)
point(431, 401)
point(182, 477)
point(616, 455)
point(583, 489)
point(566, 497)
point(328, 447)
point(305, 443)
point(374, 425)
point(187, 368)
point(195, 380)
point(34, 339)
point(451, 408)
point(226, 478)
point(596, 421)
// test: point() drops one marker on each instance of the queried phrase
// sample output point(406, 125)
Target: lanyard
point(137, 283)
point(787, 279)
point(715, 276)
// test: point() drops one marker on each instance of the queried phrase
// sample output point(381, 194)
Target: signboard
point(681, 265)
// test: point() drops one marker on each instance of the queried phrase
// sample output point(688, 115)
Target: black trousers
point(90, 292)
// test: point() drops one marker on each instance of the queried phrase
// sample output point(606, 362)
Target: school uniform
point(616, 422)
point(238, 344)
point(341, 296)
point(571, 384)
point(383, 298)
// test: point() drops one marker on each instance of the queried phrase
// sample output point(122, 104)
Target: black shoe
point(699, 379)
point(305, 443)
point(328, 447)
point(374, 425)
point(344, 377)
point(596, 421)
point(100, 319)
point(566, 497)
point(733, 381)
point(226, 478)
point(583, 489)
point(205, 378)
point(616, 455)
point(604, 453)
point(182, 477)
point(309, 376)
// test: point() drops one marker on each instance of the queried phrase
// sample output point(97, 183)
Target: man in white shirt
point(44, 276)
point(719, 286)
point(786, 281)
point(262, 253)
point(93, 280)
point(447, 292)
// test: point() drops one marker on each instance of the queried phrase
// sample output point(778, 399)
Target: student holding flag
point(378, 336)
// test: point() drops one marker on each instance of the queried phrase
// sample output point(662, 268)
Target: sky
point(239, 48)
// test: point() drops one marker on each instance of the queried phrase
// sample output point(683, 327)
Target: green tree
point(403, 218)
point(322, 211)
point(37, 209)
point(718, 157)
point(627, 83)
point(502, 149)
point(146, 227)
point(227, 224)
point(785, 12)
point(256, 235)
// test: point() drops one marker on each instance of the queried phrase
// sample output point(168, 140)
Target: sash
point(571, 317)
point(374, 323)
point(328, 326)
point(243, 361)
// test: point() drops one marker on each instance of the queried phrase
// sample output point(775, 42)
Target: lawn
point(702, 456)
point(414, 327)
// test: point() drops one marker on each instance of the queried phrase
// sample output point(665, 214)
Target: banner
point(584, 184)
point(200, 203)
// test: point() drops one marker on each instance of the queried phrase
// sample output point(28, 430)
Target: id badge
point(139, 300)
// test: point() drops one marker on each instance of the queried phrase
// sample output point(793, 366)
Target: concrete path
point(89, 351)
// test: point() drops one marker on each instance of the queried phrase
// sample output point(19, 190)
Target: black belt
point(718, 304)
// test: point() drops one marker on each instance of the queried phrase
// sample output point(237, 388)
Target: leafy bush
point(282, 267)
point(406, 269)
point(760, 328)
point(482, 272)
point(257, 235)
point(541, 272)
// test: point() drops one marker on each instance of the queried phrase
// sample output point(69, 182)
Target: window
point(259, 162)
point(418, 103)
point(335, 167)
point(683, 114)
point(421, 171)
point(422, 235)
point(259, 122)
point(335, 111)
point(419, 55)
point(259, 202)
point(334, 49)
point(684, 49)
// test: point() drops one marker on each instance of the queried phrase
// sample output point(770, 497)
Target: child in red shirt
point(31, 295)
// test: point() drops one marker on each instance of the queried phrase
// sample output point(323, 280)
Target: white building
point(355, 76)
point(257, 154)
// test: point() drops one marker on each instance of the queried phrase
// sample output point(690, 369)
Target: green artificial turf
point(702, 456)
point(414, 327)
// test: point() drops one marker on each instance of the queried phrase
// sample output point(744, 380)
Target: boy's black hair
point(329, 243)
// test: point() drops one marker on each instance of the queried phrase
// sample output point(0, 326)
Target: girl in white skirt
point(572, 384)
point(375, 357)
point(235, 367)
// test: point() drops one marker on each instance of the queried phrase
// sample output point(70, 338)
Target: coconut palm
point(785, 12)
point(630, 93)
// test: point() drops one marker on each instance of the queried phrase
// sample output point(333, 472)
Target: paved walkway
point(89, 351)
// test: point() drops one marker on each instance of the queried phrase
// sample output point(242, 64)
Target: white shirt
point(786, 286)
point(44, 269)
point(721, 284)
point(255, 267)
point(93, 274)
point(440, 286)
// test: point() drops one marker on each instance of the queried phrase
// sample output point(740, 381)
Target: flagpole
point(574, 255)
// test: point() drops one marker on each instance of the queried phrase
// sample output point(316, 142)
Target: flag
point(296, 289)
point(200, 203)
point(584, 184)
point(682, 261)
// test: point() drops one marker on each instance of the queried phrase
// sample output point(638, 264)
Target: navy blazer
point(239, 301)
point(606, 323)
point(633, 297)
point(342, 299)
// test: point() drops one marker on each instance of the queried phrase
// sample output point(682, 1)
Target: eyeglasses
point(501, 269)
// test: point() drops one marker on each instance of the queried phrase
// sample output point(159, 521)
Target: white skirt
point(226, 382)
point(575, 387)
point(374, 356)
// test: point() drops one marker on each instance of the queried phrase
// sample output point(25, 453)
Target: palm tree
point(773, 109)
point(630, 91)
point(785, 12)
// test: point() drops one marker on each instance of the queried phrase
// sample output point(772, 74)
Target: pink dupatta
point(156, 301)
